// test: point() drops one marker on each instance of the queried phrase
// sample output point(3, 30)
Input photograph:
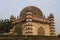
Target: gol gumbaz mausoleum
point(31, 21)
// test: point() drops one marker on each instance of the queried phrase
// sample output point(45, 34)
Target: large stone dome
point(36, 11)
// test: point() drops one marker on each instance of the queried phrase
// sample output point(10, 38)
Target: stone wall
point(45, 27)
point(29, 37)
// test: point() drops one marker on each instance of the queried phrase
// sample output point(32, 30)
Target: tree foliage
point(5, 25)
point(58, 34)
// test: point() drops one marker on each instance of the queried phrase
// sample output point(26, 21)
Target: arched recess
point(41, 31)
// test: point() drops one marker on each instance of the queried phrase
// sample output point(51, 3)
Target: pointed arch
point(41, 31)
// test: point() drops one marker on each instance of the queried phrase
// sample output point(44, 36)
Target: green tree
point(6, 25)
point(58, 34)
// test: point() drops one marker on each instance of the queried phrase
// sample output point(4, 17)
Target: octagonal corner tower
point(32, 22)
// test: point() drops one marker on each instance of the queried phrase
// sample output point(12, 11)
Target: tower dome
point(35, 11)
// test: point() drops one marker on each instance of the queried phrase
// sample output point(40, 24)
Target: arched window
point(41, 31)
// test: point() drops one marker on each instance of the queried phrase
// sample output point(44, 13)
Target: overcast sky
point(14, 7)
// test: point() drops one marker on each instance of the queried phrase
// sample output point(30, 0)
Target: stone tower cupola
point(12, 18)
point(52, 24)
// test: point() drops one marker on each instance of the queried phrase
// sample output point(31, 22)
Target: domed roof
point(35, 11)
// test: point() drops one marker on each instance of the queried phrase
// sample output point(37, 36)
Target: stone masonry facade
point(32, 22)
